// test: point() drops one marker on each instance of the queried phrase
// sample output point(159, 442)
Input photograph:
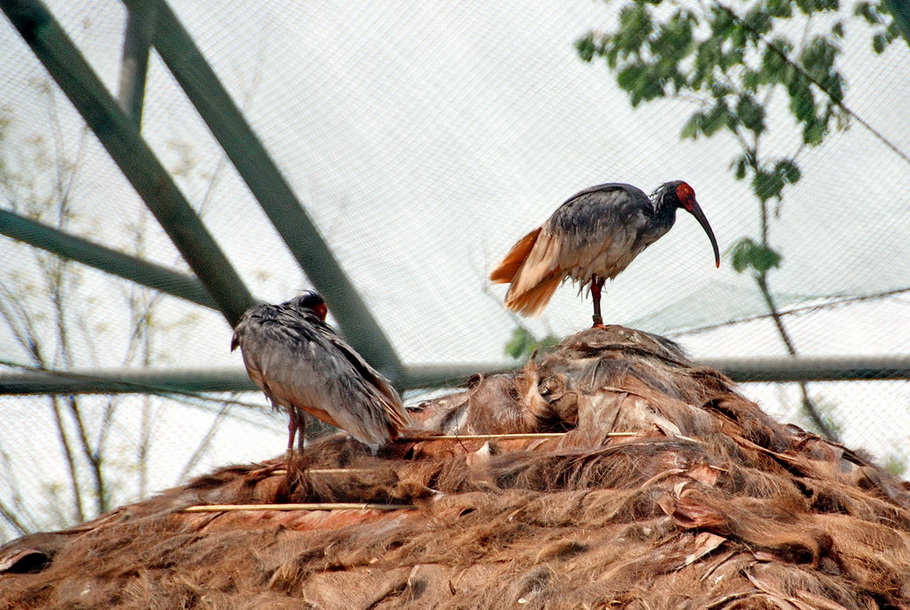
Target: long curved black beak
point(700, 217)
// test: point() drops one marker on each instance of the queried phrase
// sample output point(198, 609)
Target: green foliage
point(730, 61)
point(750, 113)
point(885, 28)
point(895, 463)
point(586, 47)
point(747, 254)
point(733, 62)
point(524, 343)
point(769, 184)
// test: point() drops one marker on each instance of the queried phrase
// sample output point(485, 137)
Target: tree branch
point(839, 103)
point(808, 405)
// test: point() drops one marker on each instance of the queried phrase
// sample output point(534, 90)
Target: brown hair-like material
point(667, 490)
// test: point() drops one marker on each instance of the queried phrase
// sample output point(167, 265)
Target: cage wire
point(423, 140)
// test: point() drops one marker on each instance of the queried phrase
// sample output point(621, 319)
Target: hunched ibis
point(591, 238)
point(303, 366)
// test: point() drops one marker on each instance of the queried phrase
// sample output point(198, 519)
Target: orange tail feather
point(533, 301)
point(506, 270)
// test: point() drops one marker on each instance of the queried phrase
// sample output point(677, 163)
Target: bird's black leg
point(596, 284)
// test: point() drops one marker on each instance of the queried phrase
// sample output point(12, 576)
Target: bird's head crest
point(676, 193)
point(310, 299)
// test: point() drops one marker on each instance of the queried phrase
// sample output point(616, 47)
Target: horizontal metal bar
point(746, 370)
point(418, 376)
point(126, 381)
point(813, 368)
point(111, 261)
point(114, 381)
point(116, 131)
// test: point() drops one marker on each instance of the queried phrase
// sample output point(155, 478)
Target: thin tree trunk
point(808, 404)
point(69, 457)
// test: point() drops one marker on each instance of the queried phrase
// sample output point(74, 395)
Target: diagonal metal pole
point(900, 9)
point(253, 163)
point(136, 160)
point(137, 41)
point(111, 261)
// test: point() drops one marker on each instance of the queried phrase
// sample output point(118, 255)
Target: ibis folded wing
point(299, 362)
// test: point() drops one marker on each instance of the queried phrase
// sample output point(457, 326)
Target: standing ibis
point(302, 366)
point(591, 238)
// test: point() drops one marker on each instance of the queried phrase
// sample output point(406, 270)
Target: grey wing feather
point(298, 361)
point(599, 210)
point(597, 229)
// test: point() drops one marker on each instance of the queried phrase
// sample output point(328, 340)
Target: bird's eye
point(684, 192)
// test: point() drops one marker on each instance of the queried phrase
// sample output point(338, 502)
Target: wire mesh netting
point(423, 140)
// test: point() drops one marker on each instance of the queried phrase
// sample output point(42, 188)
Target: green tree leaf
point(815, 131)
point(779, 8)
point(518, 344)
point(788, 170)
point(716, 118)
point(802, 100)
point(774, 65)
point(523, 343)
point(815, 6)
point(880, 42)
point(767, 185)
point(586, 47)
point(674, 39)
point(739, 165)
point(635, 27)
point(757, 21)
point(747, 254)
point(692, 127)
point(750, 113)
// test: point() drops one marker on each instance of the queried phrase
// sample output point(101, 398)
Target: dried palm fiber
point(703, 501)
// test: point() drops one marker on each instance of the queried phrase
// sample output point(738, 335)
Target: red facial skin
point(686, 196)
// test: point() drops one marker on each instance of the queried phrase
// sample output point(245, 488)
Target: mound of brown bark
point(638, 480)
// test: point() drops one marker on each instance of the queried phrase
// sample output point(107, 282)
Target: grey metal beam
point(900, 9)
point(136, 160)
point(813, 368)
point(744, 370)
point(115, 381)
point(123, 381)
point(137, 41)
point(268, 185)
point(420, 376)
point(107, 260)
